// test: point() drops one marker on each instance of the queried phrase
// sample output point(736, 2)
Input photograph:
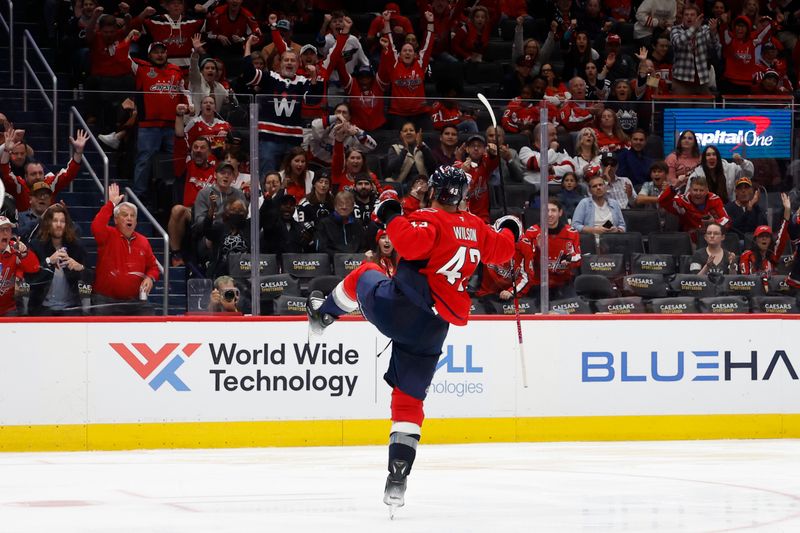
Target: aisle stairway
point(84, 198)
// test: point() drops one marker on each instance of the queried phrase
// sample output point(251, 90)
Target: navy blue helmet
point(449, 184)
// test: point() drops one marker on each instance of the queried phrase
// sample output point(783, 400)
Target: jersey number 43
point(453, 268)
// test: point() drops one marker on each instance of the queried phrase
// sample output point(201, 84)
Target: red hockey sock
point(350, 282)
point(406, 408)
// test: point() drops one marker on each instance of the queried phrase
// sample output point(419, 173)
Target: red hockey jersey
point(452, 245)
point(498, 277)
point(197, 178)
point(751, 262)
point(176, 34)
point(407, 82)
point(163, 91)
point(17, 187)
point(563, 255)
point(691, 215)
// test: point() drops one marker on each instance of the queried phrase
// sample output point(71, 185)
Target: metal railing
point(52, 103)
point(164, 268)
point(8, 25)
point(74, 114)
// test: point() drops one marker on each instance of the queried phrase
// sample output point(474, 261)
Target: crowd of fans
point(354, 104)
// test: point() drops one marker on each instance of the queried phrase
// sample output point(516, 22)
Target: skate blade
point(392, 510)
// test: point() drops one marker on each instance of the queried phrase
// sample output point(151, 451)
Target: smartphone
point(608, 224)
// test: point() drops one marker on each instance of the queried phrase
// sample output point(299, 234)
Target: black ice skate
point(317, 321)
point(395, 491)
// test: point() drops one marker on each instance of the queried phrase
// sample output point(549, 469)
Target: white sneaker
point(110, 139)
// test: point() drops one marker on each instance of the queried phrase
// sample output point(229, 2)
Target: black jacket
point(40, 282)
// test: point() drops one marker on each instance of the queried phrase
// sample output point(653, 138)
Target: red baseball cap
point(761, 230)
point(613, 38)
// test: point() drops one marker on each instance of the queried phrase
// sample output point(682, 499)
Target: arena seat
point(239, 265)
point(679, 305)
point(723, 305)
point(517, 194)
point(570, 306)
point(588, 243)
point(774, 305)
point(610, 266)
point(527, 306)
point(306, 265)
point(644, 221)
point(343, 263)
point(594, 287)
point(621, 243)
point(684, 262)
point(290, 305)
point(645, 285)
point(477, 307)
point(692, 285)
point(777, 286)
point(741, 285)
point(325, 284)
point(620, 306)
point(677, 243)
point(663, 264)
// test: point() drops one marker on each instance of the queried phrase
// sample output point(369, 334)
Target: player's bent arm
point(497, 247)
point(413, 239)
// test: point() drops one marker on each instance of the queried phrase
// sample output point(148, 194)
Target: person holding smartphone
point(598, 214)
point(14, 257)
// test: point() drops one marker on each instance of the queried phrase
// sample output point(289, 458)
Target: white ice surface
point(497, 488)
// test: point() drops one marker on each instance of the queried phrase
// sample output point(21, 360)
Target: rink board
point(153, 383)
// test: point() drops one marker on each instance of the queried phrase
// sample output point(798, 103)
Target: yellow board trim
point(83, 437)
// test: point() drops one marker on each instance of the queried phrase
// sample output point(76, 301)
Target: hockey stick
point(488, 106)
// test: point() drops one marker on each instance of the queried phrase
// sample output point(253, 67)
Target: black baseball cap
point(608, 159)
point(476, 137)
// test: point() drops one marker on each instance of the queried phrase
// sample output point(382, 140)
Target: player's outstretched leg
point(322, 312)
point(407, 416)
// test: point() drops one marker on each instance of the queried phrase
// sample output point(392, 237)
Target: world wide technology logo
point(145, 361)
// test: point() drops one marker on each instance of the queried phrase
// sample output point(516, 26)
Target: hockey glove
point(388, 207)
point(509, 222)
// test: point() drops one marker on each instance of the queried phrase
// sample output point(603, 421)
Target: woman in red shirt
point(610, 136)
point(297, 179)
point(405, 72)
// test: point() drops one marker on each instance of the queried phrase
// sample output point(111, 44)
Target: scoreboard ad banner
point(752, 133)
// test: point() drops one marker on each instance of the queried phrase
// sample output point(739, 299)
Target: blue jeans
point(271, 153)
point(149, 143)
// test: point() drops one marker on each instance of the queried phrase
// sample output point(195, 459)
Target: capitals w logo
point(146, 361)
point(284, 106)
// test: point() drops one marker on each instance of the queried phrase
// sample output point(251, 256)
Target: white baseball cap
point(4, 221)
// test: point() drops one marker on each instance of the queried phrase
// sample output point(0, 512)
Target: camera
point(230, 295)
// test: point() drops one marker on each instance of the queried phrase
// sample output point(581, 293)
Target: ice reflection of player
point(440, 248)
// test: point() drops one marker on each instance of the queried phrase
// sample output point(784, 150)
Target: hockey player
point(440, 248)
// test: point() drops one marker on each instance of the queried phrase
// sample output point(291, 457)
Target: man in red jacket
point(695, 208)
point(14, 258)
point(126, 266)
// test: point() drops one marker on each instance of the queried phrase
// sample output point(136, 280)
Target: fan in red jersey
point(405, 72)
